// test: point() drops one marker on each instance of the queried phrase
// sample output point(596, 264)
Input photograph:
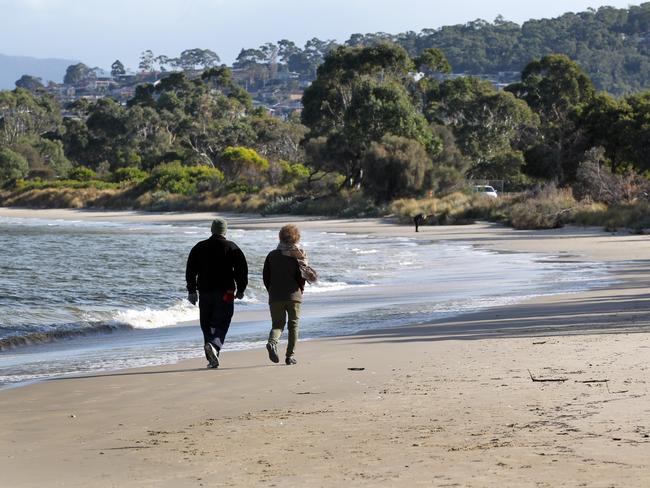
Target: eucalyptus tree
point(117, 68)
point(491, 127)
point(31, 83)
point(360, 96)
point(557, 89)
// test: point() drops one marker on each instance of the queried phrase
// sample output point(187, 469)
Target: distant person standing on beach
point(286, 270)
point(218, 269)
point(417, 220)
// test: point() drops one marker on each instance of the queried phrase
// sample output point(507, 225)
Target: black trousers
point(215, 315)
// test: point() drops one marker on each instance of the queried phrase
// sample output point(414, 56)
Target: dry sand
point(451, 403)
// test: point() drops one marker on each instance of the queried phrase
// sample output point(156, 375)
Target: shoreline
point(378, 227)
point(449, 402)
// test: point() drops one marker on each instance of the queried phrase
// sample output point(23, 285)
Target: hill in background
point(612, 45)
point(13, 67)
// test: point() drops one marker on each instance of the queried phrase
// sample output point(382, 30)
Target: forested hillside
point(611, 45)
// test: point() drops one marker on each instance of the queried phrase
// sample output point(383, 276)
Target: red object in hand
point(229, 296)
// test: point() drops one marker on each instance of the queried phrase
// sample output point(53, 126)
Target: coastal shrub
point(243, 163)
point(596, 182)
point(280, 205)
point(240, 187)
point(293, 171)
point(35, 184)
point(449, 209)
point(634, 216)
point(548, 209)
point(60, 197)
point(345, 204)
point(81, 173)
point(183, 180)
point(129, 174)
point(230, 201)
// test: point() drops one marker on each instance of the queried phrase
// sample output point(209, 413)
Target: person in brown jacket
point(286, 270)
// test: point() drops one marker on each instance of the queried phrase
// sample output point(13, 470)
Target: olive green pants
point(284, 313)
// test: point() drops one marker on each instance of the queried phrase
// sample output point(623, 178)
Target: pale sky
point(98, 32)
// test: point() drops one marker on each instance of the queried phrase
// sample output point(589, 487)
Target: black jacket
point(282, 278)
point(216, 264)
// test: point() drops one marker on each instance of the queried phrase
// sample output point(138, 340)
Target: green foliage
point(280, 205)
point(23, 114)
point(345, 204)
point(242, 162)
point(361, 94)
point(450, 209)
point(129, 174)
point(542, 213)
point(192, 58)
point(449, 164)
point(396, 167)
point(184, 180)
point(554, 86)
point(433, 59)
point(610, 44)
point(117, 68)
point(81, 173)
point(293, 172)
point(489, 126)
point(31, 83)
point(634, 216)
point(69, 184)
point(12, 165)
point(77, 74)
point(557, 89)
point(45, 156)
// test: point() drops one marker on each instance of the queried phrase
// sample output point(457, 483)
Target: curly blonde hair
point(289, 234)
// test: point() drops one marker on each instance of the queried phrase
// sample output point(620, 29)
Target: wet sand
point(551, 392)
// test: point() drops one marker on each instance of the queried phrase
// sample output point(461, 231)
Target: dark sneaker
point(212, 355)
point(273, 352)
point(290, 360)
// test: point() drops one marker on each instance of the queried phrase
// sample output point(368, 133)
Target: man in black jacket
point(218, 269)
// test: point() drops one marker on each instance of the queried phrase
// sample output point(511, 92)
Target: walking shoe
point(273, 352)
point(212, 355)
point(290, 360)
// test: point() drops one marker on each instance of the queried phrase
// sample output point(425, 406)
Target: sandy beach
point(551, 392)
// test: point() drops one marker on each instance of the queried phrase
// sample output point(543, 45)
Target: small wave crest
point(329, 286)
point(45, 334)
point(148, 318)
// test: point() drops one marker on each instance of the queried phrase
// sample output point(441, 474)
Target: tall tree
point(31, 83)
point(396, 167)
point(359, 96)
point(192, 59)
point(117, 68)
point(22, 113)
point(147, 61)
point(556, 88)
point(489, 125)
point(77, 74)
point(286, 49)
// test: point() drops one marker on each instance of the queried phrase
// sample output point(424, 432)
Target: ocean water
point(78, 297)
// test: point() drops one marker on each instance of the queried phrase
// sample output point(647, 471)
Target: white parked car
point(486, 190)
